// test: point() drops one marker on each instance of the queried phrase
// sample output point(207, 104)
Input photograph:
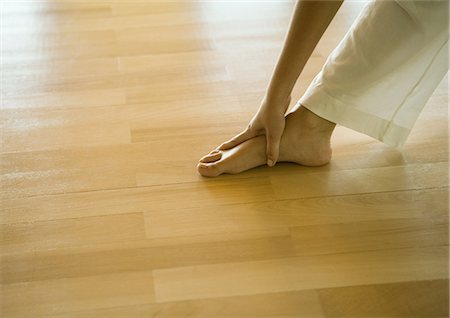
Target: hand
point(268, 121)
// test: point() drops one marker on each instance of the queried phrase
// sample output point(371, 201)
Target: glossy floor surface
point(106, 108)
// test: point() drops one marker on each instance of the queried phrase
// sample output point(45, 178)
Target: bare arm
point(309, 21)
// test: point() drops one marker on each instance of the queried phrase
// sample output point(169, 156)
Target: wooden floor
point(106, 108)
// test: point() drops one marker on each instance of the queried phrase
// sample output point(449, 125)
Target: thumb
point(243, 136)
point(272, 148)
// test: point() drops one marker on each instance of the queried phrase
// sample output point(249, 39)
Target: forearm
point(309, 21)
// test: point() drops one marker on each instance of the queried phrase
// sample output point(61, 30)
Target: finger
point(243, 136)
point(272, 148)
point(211, 157)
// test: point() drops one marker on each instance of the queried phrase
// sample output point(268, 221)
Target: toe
point(213, 156)
point(209, 169)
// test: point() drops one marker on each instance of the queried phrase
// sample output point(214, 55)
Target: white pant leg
point(382, 73)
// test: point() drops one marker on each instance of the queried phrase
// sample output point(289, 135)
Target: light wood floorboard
point(106, 107)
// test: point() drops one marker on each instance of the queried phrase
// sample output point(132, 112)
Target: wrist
point(277, 101)
point(279, 89)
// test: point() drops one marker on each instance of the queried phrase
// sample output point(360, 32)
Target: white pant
point(382, 73)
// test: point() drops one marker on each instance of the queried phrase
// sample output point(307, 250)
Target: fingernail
point(269, 162)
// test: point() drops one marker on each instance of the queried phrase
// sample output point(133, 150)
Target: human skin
point(309, 21)
point(305, 141)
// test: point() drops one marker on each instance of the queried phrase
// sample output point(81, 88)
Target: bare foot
point(305, 141)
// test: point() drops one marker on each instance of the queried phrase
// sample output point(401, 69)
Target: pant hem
point(321, 103)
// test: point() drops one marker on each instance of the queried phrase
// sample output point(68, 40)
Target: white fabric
point(382, 73)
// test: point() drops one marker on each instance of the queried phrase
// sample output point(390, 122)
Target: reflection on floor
point(106, 108)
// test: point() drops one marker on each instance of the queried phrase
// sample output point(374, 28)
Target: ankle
point(317, 123)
